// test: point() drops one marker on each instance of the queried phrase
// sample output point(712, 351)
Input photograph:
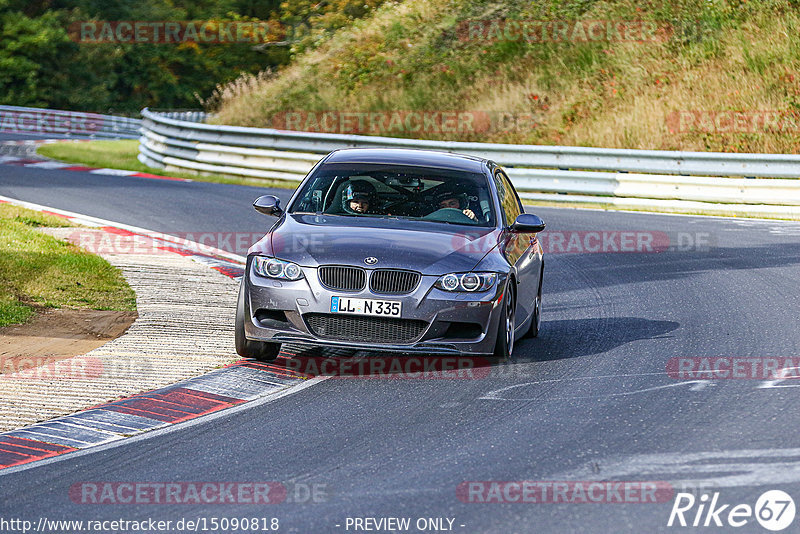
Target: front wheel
point(536, 320)
point(247, 348)
point(504, 346)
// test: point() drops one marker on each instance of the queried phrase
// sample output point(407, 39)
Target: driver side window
point(509, 201)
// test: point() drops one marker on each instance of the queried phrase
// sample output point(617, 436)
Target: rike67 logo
point(774, 510)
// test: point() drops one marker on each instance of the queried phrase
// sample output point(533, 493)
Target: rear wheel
point(504, 346)
point(248, 348)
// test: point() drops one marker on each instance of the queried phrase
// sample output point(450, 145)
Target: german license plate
point(383, 308)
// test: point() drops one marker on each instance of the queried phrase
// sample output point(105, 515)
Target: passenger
point(358, 198)
point(453, 200)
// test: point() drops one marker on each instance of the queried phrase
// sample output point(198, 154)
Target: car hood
point(431, 248)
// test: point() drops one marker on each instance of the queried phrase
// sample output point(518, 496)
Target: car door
point(522, 250)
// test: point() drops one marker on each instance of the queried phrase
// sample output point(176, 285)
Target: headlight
point(470, 282)
point(275, 268)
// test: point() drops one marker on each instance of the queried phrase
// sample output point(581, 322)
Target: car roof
point(408, 156)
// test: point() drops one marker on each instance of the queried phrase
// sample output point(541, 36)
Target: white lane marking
point(489, 396)
point(49, 165)
point(267, 398)
point(88, 220)
point(728, 468)
point(784, 376)
point(787, 230)
point(696, 385)
point(621, 375)
point(38, 141)
point(113, 172)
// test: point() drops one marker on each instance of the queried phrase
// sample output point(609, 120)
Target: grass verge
point(122, 155)
point(37, 270)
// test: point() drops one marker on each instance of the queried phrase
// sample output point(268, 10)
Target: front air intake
point(342, 277)
point(393, 281)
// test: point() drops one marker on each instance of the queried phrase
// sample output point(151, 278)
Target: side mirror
point(268, 205)
point(528, 223)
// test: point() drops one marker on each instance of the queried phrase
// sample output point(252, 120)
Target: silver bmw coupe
point(395, 250)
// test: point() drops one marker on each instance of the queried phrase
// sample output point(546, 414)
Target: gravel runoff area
point(184, 329)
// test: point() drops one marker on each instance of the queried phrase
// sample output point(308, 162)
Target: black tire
point(536, 320)
point(247, 348)
point(504, 346)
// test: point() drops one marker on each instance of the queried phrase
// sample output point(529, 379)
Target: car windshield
point(407, 192)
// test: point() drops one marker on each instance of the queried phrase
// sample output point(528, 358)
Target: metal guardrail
point(40, 121)
point(638, 178)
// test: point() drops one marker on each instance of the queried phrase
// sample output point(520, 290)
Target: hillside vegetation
point(709, 57)
point(45, 61)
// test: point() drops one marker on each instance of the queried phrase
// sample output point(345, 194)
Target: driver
point(358, 197)
point(453, 200)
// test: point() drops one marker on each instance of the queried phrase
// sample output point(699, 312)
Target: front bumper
point(455, 323)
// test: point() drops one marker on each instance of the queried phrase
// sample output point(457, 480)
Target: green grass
point(122, 155)
point(37, 270)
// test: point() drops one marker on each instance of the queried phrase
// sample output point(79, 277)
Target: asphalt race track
point(590, 399)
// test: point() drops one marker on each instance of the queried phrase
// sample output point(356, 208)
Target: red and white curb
point(234, 385)
point(30, 142)
point(58, 165)
point(239, 383)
